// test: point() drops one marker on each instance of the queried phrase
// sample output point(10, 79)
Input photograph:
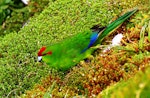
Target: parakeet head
point(42, 52)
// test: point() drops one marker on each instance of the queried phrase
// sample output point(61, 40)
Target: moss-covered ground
point(122, 71)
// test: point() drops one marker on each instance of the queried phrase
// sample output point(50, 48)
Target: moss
point(93, 75)
point(135, 87)
point(62, 18)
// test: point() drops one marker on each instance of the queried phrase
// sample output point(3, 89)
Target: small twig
point(11, 92)
point(66, 94)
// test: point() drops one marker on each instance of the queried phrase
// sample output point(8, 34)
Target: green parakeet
point(67, 53)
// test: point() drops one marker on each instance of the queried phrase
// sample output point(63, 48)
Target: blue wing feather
point(93, 39)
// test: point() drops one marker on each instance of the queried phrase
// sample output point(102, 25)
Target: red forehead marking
point(41, 51)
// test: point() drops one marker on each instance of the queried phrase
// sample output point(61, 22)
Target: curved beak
point(39, 58)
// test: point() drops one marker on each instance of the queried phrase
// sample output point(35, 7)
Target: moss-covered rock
point(62, 18)
point(137, 87)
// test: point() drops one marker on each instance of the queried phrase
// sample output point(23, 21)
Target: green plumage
point(67, 53)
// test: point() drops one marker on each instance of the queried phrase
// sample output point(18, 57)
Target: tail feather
point(100, 33)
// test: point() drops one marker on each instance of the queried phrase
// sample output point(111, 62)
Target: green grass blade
point(49, 93)
point(141, 41)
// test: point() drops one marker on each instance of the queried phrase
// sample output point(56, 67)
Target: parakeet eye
point(40, 53)
point(50, 52)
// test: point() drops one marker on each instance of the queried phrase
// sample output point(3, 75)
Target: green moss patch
point(20, 70)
